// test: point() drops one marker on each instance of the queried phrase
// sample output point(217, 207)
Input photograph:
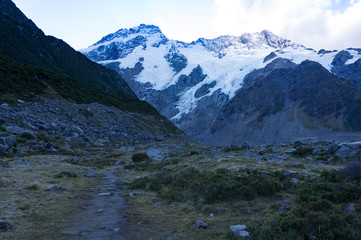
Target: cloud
point(314, 23)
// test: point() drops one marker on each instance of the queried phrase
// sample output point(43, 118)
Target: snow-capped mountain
point(188, 82)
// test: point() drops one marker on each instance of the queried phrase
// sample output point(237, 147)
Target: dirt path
point(104, 217)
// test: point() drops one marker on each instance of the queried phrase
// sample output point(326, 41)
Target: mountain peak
point(142, 29)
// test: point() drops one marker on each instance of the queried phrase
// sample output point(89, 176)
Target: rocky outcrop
point(86, 124)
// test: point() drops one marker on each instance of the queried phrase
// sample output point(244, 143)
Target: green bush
point(151, 166)
point(302, 152)
point(66, 175)
point(208, 186)
point(43, 137)
point(318, 211)
point(33, 187)
point(233, 149)
point(138, 157)
point(353, 171)
point(27, 136)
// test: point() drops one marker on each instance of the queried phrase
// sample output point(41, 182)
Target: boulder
point(332, 148)
point(90, 175)
point(350, 208)
point(10, 140)
point(54, 189)
point(283, 203)
point(344, 152)
point(295, 180)
point(282, 209)
point(4, 225)
point(201, 224)
point(351, 145)
point(239, 230)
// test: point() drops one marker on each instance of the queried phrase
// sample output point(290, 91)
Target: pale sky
point(329, 24)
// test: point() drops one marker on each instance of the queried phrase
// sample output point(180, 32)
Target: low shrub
point(33, 187)
point(208, 186)
point(27, 135)
point(43, 137)
point(318, 211)
point(151, 166)
point(233, 148)
point(66, 175)
point(91, 162)
point(302, 152)
point(138, 157)
point(353, 171)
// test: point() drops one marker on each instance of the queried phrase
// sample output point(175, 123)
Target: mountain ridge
point(190, 83)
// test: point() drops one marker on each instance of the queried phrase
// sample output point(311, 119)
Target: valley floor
point(102, 193)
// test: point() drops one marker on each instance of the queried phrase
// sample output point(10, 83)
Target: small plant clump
point(302, 152)
point(234, 149)
point(66, 175)
point(139, 157)
point(27, 136)
point(33, 187)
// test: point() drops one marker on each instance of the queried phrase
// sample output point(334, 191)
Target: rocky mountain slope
point(191, 83)
point(22, 41)
point(34, 65)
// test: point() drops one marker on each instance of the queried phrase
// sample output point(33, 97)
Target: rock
point(295, 180)
point(239, 230)
point(298, 144)
point(344, 152)
point(3, 144)
point(131, 194)
point(246, 146)
point(290, 150)
point(90, 175)
point(316, 152)
point(5, 105)
point(269, 57)
point(24, 162)
point(352, 145)
point(273, 150)
point(54, 189)
point(249, 211)
point(10, 140)
point(4, 225)
point(283, 203)
point(155, 153)
point(104, 194)
point(350, 208)
point(120, 162)
point(289, 173)
point(341, 58)
point(204, 207)
point(332, 148)
point(282, 209)
point(201, 224)
point(123, 183)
